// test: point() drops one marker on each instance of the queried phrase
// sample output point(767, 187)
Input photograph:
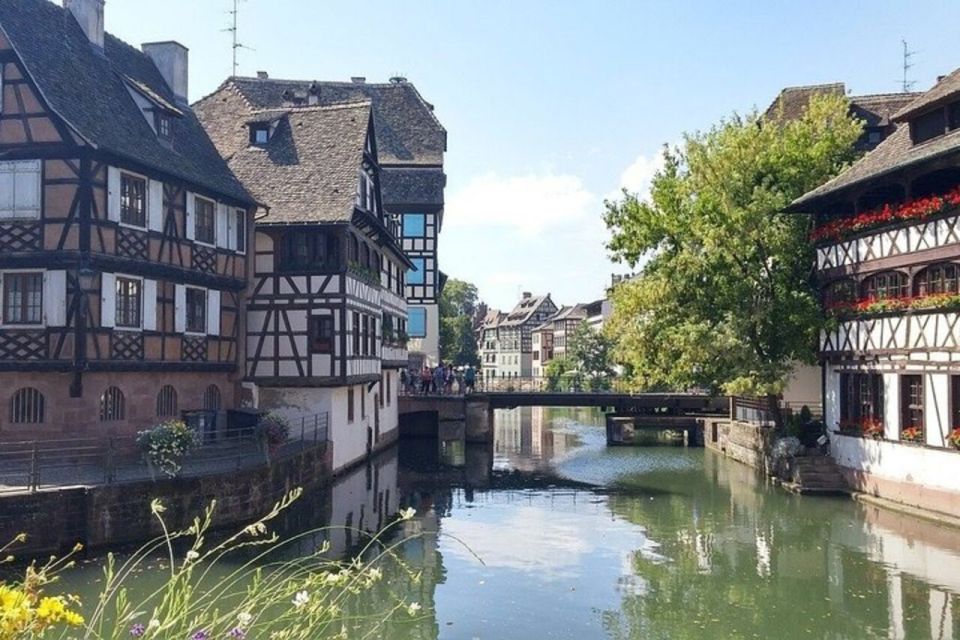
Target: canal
point(550, 534)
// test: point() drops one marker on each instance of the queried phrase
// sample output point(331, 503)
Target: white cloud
point(637, 177)
point(528, 204)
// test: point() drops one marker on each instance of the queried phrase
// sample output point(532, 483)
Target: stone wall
point(742, 441)
point(120, 514)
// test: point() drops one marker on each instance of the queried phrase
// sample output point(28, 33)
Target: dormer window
point(928, 126)
point(163, 126)
point(259, 134)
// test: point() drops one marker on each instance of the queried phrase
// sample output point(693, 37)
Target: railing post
point(34, 468)
point(316, 427)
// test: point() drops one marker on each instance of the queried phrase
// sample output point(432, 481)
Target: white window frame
point(146, 202)
point(11, 166)
point(192, 219)
point(240, 221)
point(43, 300)
point(143, 305)
point(206, 312)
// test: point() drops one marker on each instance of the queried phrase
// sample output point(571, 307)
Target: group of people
point(439, 380)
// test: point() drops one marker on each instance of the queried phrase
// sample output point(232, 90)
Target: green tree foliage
point(458, 305)
point(560, 372)
point(592, 354)
point(724, 298)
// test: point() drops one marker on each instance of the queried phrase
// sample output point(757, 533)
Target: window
point(305, 250)
point(938, 278)
point(911, 402)
point(211, 398)
point(350, 403)
point(205, 221)
point(365, 346)
point(112, 405)
point(321, 334)
point(26, 406)
point(260, 134)
point(417, 322)
point(128, 303)
point(365, 255)
point(240, 228)
point(356, 333)
point(414, 225)
point(417, 275)
point(163, 126)
point(928, 126)
point(388, 388)
point(953, 116)
point(885, 286)
point(839, 292)
point(861, 398)
point(373, 336)
point(363, 403)
point(353, 248)
point(167, 402)
point(133, 200)
point(23, 298)
point(20, 189)
point(955, 401)
point(196, 310)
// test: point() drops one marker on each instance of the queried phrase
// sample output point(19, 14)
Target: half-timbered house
point(411, 143)
point(887, 235)
point(513, 347)
point(326, 316)
point(123, 233)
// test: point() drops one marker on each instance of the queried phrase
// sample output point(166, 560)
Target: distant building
point(887, 235)
point(506, 339)
point(488, 343)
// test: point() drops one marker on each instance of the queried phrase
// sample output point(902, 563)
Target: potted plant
point(872, 428)
point(954, 438)
point(911, 434)
point(274, 429)
point(167, 444)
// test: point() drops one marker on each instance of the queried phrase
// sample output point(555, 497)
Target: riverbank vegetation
point(458, 308)
point(235, 587)
point(724, 299)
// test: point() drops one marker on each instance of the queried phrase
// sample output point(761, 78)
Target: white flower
point(301, 599)
point(413, 608)
point(375, 574)
point(406, 514)
point(244, 619)
point(154, 624)
point(192, 555)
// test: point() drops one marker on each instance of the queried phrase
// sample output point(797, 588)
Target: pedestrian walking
point(469, 379)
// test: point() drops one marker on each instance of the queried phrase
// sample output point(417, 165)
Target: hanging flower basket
point(166, 445)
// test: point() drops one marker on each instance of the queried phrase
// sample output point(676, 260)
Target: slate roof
point(493, 319)
point(408, 132)
point(895, 153)
point(569, 312)
point(308, 171)
point(88, 90)
point(524, 310)
point(412, 185)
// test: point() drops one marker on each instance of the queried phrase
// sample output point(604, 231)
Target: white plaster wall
point(803, 386)
point(891, 406)
point(831, 400)
point(936, 408)
point(930, 468)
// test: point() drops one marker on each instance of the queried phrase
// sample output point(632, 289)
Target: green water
point(549, 534)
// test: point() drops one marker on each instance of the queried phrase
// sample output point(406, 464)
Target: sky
point(551, 106)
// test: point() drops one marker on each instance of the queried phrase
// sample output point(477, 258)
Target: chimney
point(357, 79)
point(263, 75)
point(170, 59)
point(89, 14)
point(527, 295)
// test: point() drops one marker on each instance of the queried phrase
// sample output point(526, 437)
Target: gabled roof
point(89, 91)
point(876, 110)
point(408, 132)
point(895, 153)
point(493, 318)
point(308, 171)
point(944, 91)
point(524, 310)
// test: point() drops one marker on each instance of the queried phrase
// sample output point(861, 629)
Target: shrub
point(274, 428)
point(166, 445)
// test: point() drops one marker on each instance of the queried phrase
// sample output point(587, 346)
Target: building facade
point(326, 314)
point(506, 347)
point(412, 143)
point(124, 237)
point(887, 234)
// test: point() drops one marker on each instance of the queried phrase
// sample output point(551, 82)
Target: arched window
point(211, 398)
point(364, 255)
point(937, 278)
point(167, 402)
point(353, 248)
point(886, 286)
point(113, 406)
point(26, 406)
point(839, 292)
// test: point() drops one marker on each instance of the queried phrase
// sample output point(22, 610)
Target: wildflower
point(138, 630)
point(375, 574)
point(245, 619)
point(408, 513)
point(413, 608)
point(203, 634)
point(157, 507)
point(301, 600)
point(192, 555)
point(237, 633)
point(153, 625)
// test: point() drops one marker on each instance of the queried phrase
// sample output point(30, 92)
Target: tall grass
point(236, 587)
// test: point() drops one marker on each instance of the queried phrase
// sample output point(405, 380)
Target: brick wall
point(744, 442)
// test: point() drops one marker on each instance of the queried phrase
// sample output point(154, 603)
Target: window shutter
point(113, 194)
point(213, 312)
point(155, 206)
point(108, 300)
point(27, 189)
point(180, 308)
point(7, 202)
point(191, 216)
point(55, 298)
point(150, 305)
point(221, 239)
point(231, 242)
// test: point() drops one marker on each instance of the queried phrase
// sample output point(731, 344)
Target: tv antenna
point(234, 33)
point(907, 85)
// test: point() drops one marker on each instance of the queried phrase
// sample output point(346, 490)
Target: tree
point(559, 372)
point(725, 297)
point(591, 353)
point(458, 305)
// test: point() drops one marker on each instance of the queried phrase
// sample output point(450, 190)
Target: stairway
point(817, 474)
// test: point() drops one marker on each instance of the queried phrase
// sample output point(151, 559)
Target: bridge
point(447, 416)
